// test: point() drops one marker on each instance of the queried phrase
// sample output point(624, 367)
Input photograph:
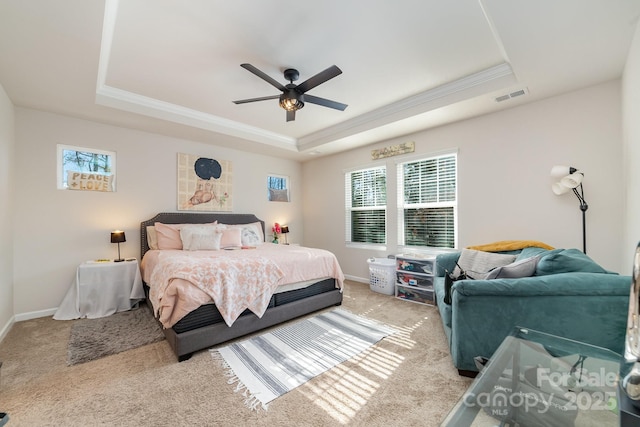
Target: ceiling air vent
point(511, 95)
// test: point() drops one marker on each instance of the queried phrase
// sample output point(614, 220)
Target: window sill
point(369, 246)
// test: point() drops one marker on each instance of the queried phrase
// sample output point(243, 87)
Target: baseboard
point(35, 314)
point(5, 330)
point(356, 279)
point(25, 316)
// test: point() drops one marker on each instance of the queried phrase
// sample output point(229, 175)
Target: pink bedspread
point(181, 281)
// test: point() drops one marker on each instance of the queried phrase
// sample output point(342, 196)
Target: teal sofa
point(569, 295)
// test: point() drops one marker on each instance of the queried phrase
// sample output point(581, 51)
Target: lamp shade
point(284, 229)
point(118, 236)
point(559, 189)
point(558, 171)
point(565, 178)
point(573, 180)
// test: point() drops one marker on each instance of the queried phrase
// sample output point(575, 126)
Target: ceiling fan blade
point(325, 102)
point(291, 115)
point(264, 98)
point(319, 78)
point(263, 76)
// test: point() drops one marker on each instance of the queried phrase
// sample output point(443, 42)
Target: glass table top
point(538, 379)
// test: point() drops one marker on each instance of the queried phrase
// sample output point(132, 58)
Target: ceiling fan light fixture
point(293, 96)
point(291, 101)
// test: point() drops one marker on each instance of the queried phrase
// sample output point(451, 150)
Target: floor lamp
point(569, 178)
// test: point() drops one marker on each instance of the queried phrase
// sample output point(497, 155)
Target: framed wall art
point(85, 169)
point(204, 184)
point(278, 188)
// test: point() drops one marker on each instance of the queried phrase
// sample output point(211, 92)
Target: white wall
point(631, 129)
point(55, 230)
point(6, 211)
point(504, 192)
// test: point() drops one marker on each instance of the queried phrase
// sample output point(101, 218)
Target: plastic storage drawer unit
point(413, 294)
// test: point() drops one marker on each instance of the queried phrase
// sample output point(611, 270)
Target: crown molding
point(129, 101)
point(467, 87)
point(476, 84)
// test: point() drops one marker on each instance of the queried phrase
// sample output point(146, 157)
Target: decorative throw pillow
point(478, 263)
point(168, 235)
point(200, 237)
point(522, 268)
point(250, 234)
point(566, 261)
point(231, 238)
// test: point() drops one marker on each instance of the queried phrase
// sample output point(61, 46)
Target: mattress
point(208, 314)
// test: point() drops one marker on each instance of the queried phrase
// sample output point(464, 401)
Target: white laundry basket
point(382, 275)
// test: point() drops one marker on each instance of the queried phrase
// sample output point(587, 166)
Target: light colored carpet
point(406, 379)
point(274, 363)
point(91, 339)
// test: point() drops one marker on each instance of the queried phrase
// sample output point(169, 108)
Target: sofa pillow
point(200, 237)
point(478, 263)
point(567, 261)
point(530, 252)
point(522, 268)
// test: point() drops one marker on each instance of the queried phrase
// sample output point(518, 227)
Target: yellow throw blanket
point(510, 245)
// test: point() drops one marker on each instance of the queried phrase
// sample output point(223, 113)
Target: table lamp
point(284, 230)
point(117, 236)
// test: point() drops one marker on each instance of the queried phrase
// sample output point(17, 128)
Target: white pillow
point(200, 237)
point(152, 238)
point(478, 263)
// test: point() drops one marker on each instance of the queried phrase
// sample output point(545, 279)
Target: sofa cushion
point(567, 261)
point(521, 268)
point(478, 263)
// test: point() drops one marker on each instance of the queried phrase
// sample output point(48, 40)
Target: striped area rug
point(271, 364)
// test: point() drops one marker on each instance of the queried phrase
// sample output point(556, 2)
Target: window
point(366, 205)
point(427, 202)
point(85, 169)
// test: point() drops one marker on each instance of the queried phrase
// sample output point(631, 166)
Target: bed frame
point(204, 327)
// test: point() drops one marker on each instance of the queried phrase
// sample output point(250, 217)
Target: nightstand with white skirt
point(101, 289)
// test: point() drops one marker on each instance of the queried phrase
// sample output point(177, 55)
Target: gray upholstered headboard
point(193, 218)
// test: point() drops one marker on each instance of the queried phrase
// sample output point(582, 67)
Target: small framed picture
point(278, 188)
point(87, 169)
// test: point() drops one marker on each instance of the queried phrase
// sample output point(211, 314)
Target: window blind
point(428, 202)
point(366, 205)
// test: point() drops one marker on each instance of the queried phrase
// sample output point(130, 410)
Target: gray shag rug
point(92, 339)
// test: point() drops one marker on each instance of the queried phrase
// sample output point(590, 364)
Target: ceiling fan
point(294, 96)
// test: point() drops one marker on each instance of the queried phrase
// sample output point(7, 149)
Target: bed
point(205, 325)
